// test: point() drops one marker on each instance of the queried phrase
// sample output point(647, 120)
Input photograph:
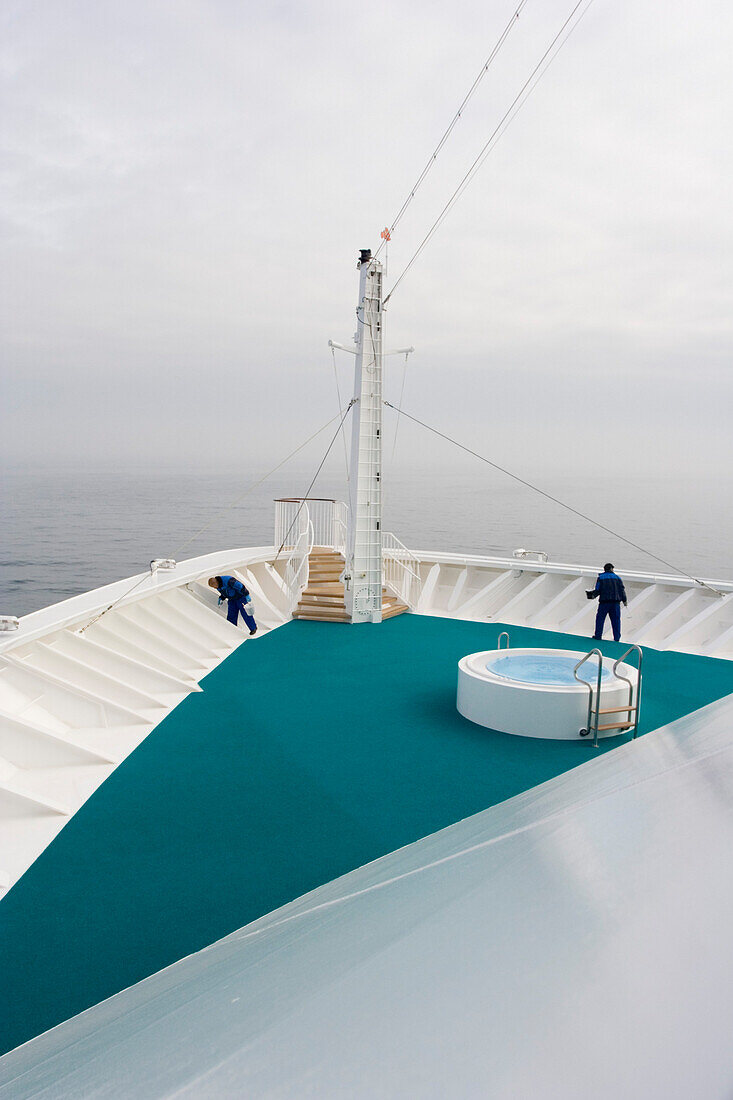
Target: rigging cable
point(343, 430)
point(555, 500)
point(402, 394)
point(431, 161)
point(313, 479)
point(228, 507)
point(510, 114)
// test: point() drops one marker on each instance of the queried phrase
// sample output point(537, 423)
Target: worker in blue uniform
point(610, 593)
point(240, 601)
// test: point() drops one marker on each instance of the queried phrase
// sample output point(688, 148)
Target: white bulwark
point(363, 572)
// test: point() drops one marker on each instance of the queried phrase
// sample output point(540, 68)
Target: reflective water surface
point(66, 530)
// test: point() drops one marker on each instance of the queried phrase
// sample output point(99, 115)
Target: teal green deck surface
point(286, 772)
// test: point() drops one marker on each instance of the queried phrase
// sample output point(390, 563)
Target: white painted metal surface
point(664, 611)
point(557, 712)
point(364, 550)
point(76, 699)
point(572, 942)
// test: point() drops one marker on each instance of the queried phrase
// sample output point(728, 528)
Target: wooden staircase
point(323, 596)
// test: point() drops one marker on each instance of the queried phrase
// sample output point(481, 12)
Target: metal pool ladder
point(593, 723)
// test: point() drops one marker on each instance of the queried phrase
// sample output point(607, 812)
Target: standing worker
point(610, 593)
point(229, 588)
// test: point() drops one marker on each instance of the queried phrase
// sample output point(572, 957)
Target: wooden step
point(343, 617)
point(323, 616)
point(331, 588)
point(319, 618)
point(321, 601)
point(340, 614)
point(397, 609)
point(321, 609)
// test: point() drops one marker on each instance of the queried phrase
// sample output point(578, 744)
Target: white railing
point(340, 526)
point(298, 548)
point(328, 517)
point(401, 569)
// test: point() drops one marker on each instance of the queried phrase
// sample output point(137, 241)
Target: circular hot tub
point(534, 693)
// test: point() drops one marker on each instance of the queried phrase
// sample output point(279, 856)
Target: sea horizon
point(77, 526)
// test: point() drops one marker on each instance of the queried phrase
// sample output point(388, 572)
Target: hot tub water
point(554, 670)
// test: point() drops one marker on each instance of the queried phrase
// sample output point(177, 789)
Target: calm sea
point(68, 530)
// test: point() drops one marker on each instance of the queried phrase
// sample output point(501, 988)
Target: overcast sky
point(186, 185)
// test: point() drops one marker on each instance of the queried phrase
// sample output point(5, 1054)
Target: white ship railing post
point(363, 571)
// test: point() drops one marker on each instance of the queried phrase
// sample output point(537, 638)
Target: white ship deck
point(271, 782)
point(74, 704)
point(572, 941)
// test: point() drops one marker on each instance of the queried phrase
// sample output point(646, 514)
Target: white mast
point(363, 595)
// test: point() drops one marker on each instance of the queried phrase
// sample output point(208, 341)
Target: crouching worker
point(610, 593)
point(240, 601)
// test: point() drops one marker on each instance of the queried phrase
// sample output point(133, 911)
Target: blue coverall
point(610, 593)
point(233, 590)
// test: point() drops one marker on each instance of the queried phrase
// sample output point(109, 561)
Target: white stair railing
point(295, 573)
point(401, 569)
point(340, 526)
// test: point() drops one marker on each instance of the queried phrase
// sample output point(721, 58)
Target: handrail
point(340, 526)
point(295, 572)
point(401, 550)
point(401, 568)
point(504, 634)
point(588, 684)
point(619, 676)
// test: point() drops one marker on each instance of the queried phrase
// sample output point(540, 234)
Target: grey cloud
point(185, 187)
